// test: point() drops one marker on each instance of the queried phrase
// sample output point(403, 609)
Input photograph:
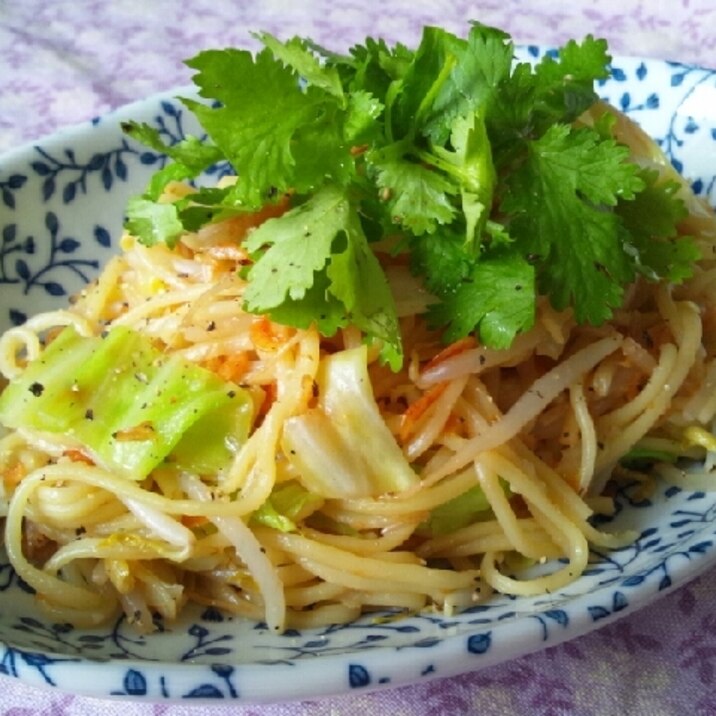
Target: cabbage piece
point(343, 448)
point(459, 512)
point(289, 503)
point(131, 405)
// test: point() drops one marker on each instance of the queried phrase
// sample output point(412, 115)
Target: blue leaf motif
point(51, 222)
point(134, 683)
point(95, 162)
point(120, 169)
point(625, 101)
point(618, 74)
point(634, 581)
point(17, 317)
point(619, 601)
point(148, 158)
point(651, 543)
point(198, 630)
point(665, 582)
point(205, 691)
point(700, 547)
point(54, 288)
point(8, 199)
point(107, 178)
point(210, 614)
point(641, 71)
point(597, 613)
point(31, 622)
point(41, 168)
point(370, 638)
point(170, 109)
point(314, 644)
point(69, 193)
point(479, 643)
point(223, 670)
point(68, 245)
point(16, 181)
point(358, 676)
point(102, 236)
point(22, 269)
point(427, 642)
point(9, 233)
point(652, 101)
point(678, 79)
point(558, 615)
point(48, 188)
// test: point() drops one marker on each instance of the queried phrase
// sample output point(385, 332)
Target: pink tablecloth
point(64, 62)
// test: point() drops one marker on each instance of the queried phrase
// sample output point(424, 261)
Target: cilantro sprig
point(476, 166)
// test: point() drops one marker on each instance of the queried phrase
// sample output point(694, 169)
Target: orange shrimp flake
point(230, 368)
point(459, 346)
point(416, 410)
point(77, 455)
point(268, 336)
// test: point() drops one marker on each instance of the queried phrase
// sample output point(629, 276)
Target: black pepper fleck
point(37, 389)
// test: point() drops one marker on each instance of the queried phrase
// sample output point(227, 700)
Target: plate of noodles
point(206, 500)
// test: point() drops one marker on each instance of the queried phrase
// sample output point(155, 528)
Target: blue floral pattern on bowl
point(61, 212)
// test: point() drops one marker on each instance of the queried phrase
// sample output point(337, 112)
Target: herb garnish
point(475, 165)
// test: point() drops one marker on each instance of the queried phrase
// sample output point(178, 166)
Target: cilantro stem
point(390, 95)
point(445, 165)
point(429, 98)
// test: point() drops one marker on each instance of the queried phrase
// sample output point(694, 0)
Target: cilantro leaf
point(371, 67)
point(442, 261)
point(565, 86)
point(418, 197)
point(193, 153)
point(362, 113)
point(557, 90)
point(263, 109)
point(353, 267)
point(652, 219)
point(430, 68)
point(316, 256)
point(190, 156)
point(152, 222)
point(557, 201)
point(483, 63)
point(496, 300)
point(316, 307)
point(297, 54)
point(470, 164)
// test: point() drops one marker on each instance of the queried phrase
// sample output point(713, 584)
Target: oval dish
point(61, 211)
